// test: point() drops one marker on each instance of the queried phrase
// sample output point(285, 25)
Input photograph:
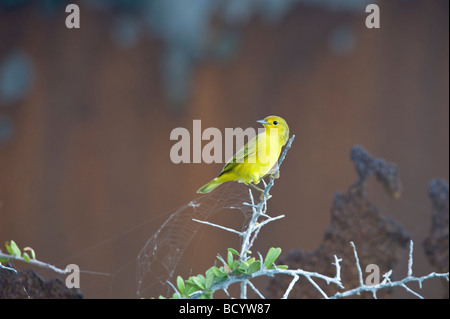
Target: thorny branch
point(251, 232)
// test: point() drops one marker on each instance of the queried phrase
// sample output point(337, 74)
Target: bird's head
point(276, 122)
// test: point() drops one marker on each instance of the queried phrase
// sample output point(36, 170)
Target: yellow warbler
point(256, 159)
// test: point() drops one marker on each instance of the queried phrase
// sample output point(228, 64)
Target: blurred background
point(86, 115)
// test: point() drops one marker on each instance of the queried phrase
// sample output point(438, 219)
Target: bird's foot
point(275, 175)
point(268, 196)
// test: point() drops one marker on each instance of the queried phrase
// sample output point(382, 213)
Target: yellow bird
point(256, 159)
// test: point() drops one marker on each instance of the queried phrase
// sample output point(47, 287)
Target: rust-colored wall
point(89, 157)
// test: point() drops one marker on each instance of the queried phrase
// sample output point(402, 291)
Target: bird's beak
point(263, 122)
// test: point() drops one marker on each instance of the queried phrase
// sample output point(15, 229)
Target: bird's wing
point(244, 153)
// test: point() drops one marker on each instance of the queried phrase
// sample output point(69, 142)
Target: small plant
point(203, 286)
point(27, 255)
point(14, 250)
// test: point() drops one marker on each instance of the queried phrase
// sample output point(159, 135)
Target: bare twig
point(291, 285)
point(387, 283)
point(218, 226)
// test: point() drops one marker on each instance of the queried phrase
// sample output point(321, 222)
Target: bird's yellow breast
point(260, 160)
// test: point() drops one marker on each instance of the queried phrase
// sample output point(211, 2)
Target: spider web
point(161, 254)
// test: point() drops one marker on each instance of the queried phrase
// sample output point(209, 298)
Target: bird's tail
point(209, 187)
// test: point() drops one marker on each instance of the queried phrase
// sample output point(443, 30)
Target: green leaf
point(230, 259)
point(26, 257)
point(209, 279)
point(254, 267)
point(218, 272)
point(208, 271)
point(190, 288)
point(282, 266)
point(180, 285)
point(233, 251)
point(251, 261)
point(12, 248)
point(31, 251)
point(3, 260)
point(241, 271)
point(218, 280)
point(8, 248)
point(243, 266)
point(199, 281)
point(271, 256)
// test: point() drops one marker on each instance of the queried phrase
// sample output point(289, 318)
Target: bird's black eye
point(275, 122)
